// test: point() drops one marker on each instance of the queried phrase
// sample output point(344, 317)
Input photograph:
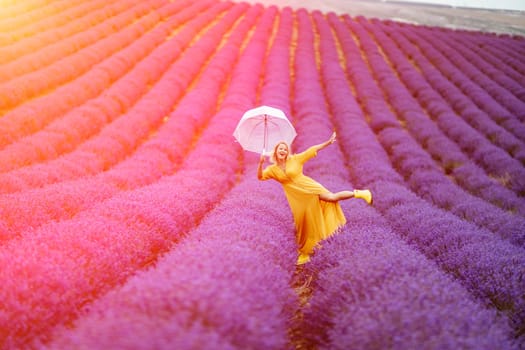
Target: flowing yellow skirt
point(314, 219)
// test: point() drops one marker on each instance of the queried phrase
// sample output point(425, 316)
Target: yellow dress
point(314, 219)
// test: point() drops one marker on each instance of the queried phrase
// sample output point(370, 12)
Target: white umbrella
point(263, 127)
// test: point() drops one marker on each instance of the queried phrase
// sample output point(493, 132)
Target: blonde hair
point(273, 158)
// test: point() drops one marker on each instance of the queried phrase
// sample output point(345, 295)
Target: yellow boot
point(364, 194)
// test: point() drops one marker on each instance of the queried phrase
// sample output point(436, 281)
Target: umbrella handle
point(265, 132)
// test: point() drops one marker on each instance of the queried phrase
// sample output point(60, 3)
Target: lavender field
point(131, 219)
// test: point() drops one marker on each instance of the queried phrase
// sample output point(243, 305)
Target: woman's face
point(282, 152)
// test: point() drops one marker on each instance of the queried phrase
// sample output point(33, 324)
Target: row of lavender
point(496, 119)
point(371, 289)
point(494, 160)
point(503, 54)
point(227, 282)
point(55, 73)
point(131, 71)
point(415, 164)
point(491, 80)
point(16, 25)
point(105, 67)
point(436, 144)
point(499, 95)
point(72, 261)
point(475, 257)
point(510, 57)
point(61, 34)
point(101, 166)
point(496, 116)
point(432, 136)
point(21, 15)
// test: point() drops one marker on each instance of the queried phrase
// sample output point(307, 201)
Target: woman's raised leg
point(342, 195)
point(334, 197)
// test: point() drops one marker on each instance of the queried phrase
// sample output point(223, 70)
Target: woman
point(316, 211)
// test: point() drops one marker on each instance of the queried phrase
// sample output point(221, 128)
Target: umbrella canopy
point(263, 127)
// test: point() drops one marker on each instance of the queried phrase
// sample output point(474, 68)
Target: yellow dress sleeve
point(267, 173)
point(306, 155)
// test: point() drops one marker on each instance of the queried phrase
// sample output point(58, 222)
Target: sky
point(518, 5)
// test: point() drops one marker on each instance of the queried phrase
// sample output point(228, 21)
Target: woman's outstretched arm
point(326, 143)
